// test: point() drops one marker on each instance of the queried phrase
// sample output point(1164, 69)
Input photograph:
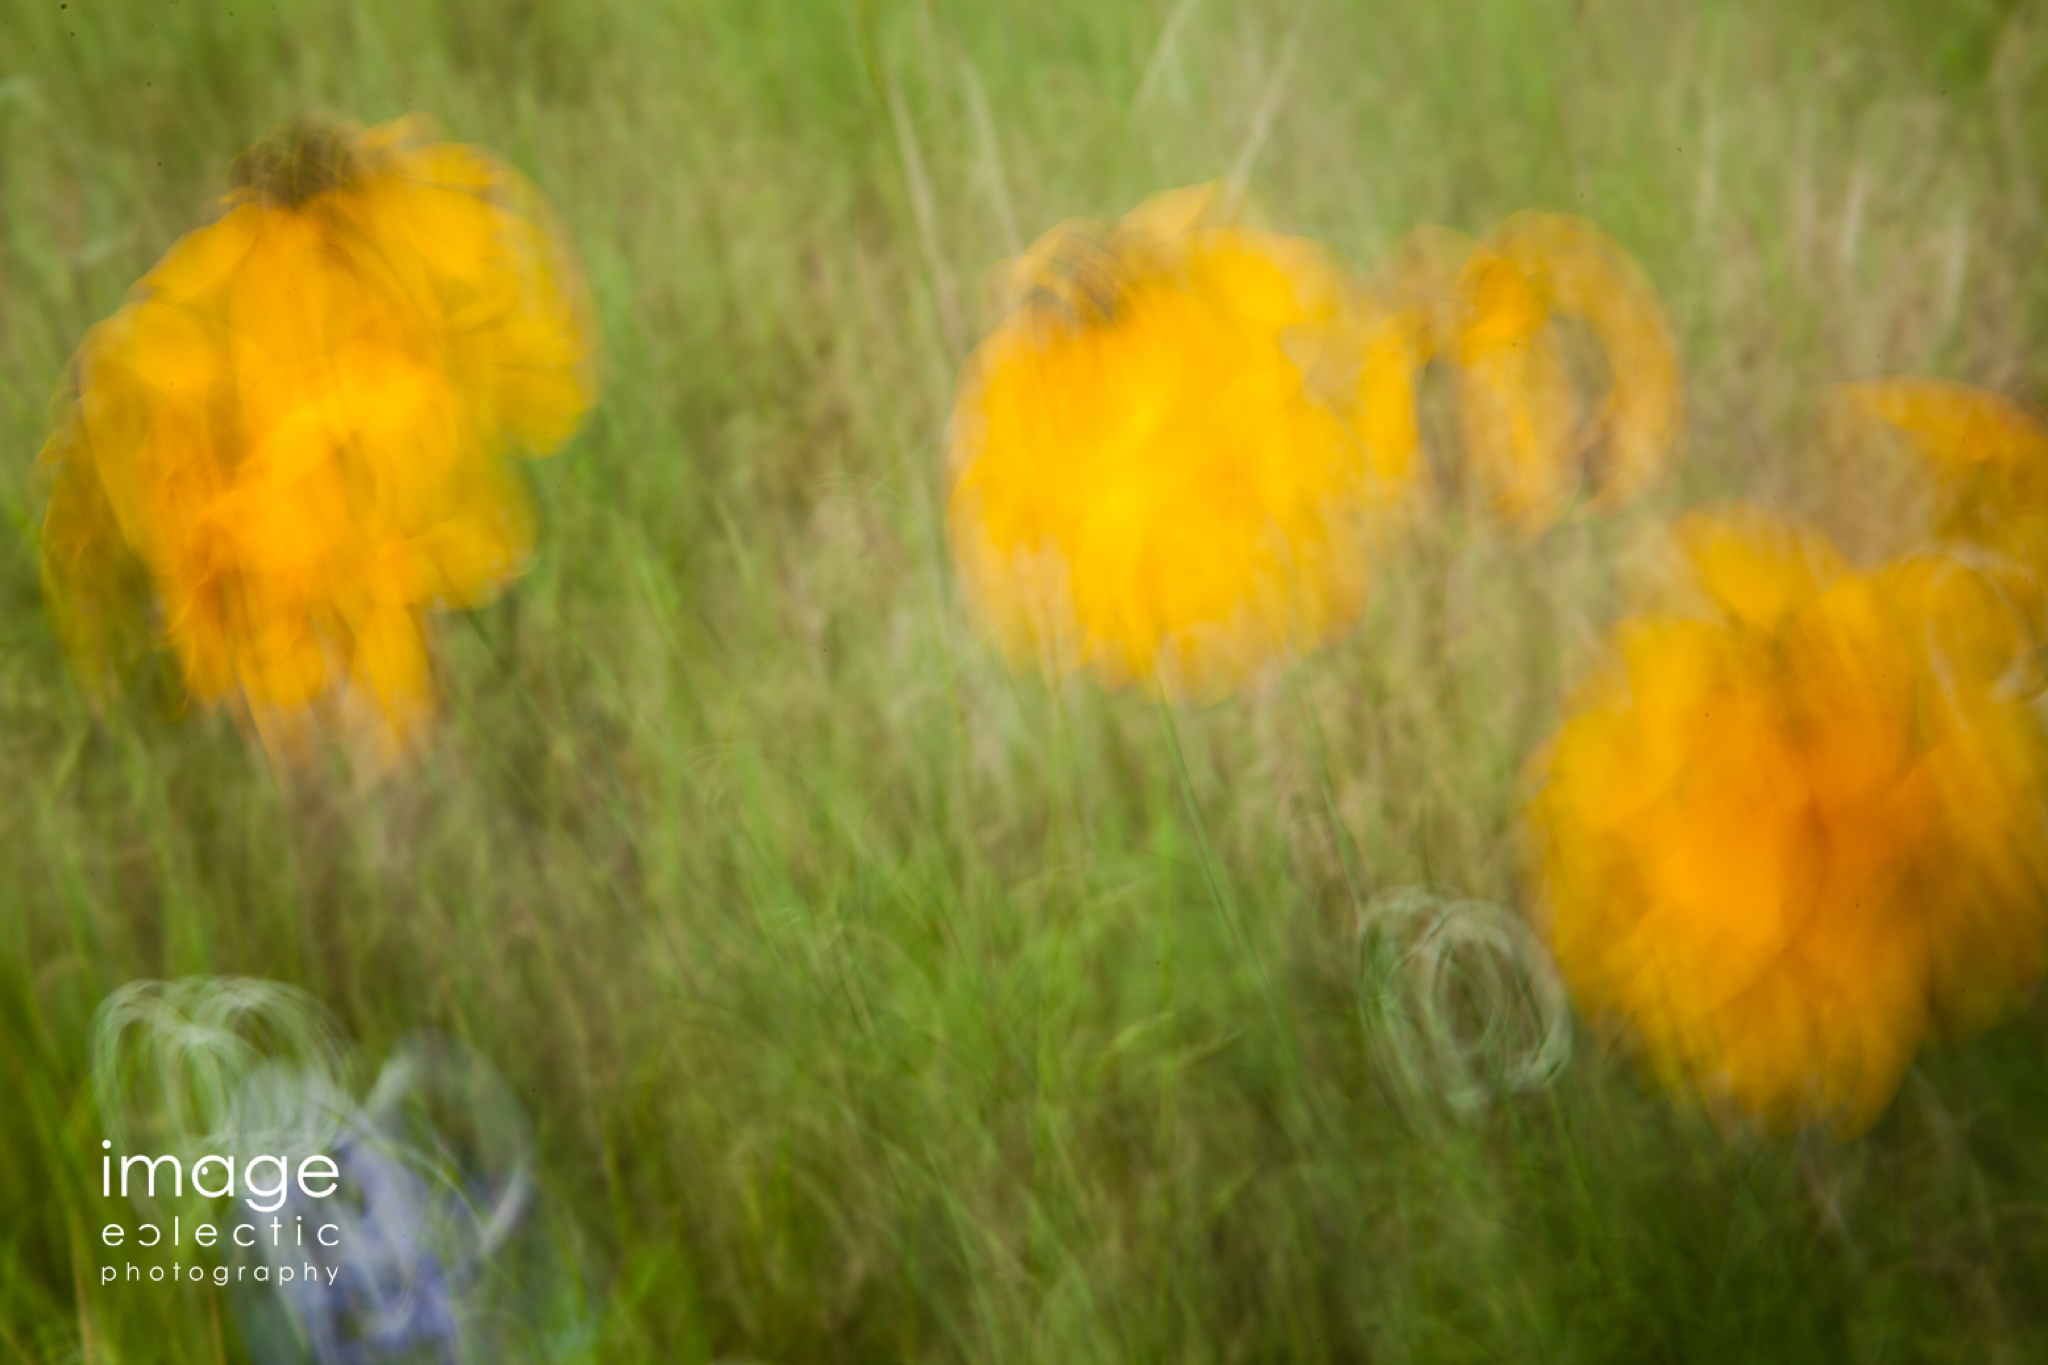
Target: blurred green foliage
point(872, 1004)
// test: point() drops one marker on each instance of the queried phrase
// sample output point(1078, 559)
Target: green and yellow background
point(870, 1002)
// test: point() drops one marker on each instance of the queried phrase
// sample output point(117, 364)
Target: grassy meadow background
point(871, 1003)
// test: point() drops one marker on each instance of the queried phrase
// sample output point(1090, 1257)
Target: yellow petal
point(1578, 272)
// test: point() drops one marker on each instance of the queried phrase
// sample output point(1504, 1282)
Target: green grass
point(871, 1003)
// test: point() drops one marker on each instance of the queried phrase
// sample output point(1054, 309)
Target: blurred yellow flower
point(1492, 309)
point(1795, 824)
point(294, 437)
point(1983, 441)
point(1169, 461)
point(1989, 456)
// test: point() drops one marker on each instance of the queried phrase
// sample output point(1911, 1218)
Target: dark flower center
point(291, 165)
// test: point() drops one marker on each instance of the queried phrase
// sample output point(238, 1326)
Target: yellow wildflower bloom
point(1517, 405)
point(294, 436)
point(1795, 825)
point(1491, 309)
point(1576, 272)
point(1973, 436)
point(1990, 458)
point(1166, 464)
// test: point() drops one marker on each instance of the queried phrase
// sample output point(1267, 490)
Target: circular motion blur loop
point(212, 1065)
point(293, 443)
point(1459, 1000)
